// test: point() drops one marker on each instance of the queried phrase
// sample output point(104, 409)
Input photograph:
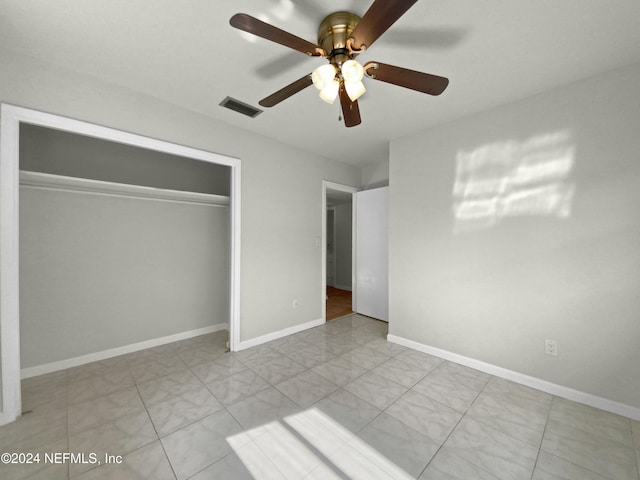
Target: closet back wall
point(99, 271)
point(63, 153)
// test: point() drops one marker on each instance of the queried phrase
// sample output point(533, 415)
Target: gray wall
point(375, 175)
point(103, 271)
point(343, 257)
point(520, 224)
point(281, 186)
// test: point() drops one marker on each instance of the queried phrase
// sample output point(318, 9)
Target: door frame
point(333, 242)
point(10, 119)
point(327, 185)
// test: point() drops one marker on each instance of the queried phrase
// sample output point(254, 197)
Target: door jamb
point(333, 242)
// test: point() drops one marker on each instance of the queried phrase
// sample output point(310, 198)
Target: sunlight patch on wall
point(511, 179)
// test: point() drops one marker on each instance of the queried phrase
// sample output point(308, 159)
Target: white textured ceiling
point(185, 53)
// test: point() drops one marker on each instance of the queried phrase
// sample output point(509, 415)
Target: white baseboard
point(114, 352)
point(527, 380)
point(279, 334)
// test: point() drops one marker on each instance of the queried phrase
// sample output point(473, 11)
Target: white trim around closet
point(10, 119)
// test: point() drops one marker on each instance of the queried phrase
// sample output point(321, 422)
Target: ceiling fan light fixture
point(352, 71)
point(329, 92)
point(354, 89)
point(323, 76)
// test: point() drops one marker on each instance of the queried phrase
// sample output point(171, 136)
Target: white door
point(372, 258)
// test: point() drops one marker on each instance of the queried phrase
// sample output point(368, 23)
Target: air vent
point(240, 107)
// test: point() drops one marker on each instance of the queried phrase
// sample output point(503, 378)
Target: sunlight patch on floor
point(312, 443)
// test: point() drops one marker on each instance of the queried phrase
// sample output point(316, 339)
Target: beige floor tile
point(202, 443)
point(148, 462)
point(118, 437)
point(346, 404)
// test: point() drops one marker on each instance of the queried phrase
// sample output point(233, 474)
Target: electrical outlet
point(296, 303)
point(551, 347)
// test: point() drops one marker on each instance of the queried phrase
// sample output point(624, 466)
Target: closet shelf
point(75, 184)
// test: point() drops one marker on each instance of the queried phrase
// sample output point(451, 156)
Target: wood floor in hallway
point(338, 303)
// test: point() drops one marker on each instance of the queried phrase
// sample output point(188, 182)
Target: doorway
point(338, 295)
point(11, 119)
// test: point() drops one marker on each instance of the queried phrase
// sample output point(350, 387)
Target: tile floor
point(334, 402)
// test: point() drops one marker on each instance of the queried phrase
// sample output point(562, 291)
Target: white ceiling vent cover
point(240, 107)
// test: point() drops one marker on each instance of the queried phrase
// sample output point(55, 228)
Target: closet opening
point(111, 242)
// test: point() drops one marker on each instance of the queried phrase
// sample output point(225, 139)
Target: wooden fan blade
point(377, 20)
point(350, 110)
point(286, 92)
point(403, 77)
point(250, 24)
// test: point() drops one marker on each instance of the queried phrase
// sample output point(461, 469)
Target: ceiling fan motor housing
point(333, 33)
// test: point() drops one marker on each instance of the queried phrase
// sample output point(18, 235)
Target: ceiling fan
point(341, 37)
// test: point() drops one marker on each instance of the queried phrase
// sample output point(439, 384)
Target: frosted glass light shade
point(322, 76)
point(330, 91)
point(352, 71)
point(354, 89)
